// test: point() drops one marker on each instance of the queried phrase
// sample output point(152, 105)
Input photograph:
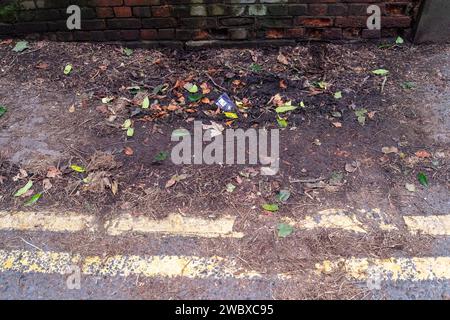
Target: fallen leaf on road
point(422, 154)
point(42, 65)
point(128, 151)
point(33, 199)
point(351, 167)
point(176, 178)
point(284, 230)
point(21, 175)
point(270, 207)
point(46, 184)
point(230, 187)
point(387, 150)
point(410, 187)
point(423, 179)
point(281, 58)
point(24, 189)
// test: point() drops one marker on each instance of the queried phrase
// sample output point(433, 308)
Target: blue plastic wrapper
point(225, 103)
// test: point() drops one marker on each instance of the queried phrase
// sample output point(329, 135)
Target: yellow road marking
point(49, 262)
point(395, 269)
point(342, 219)
point(178, 225)
point(45, 221)
point(431, 225)
point(174, 224)
point(330, 218)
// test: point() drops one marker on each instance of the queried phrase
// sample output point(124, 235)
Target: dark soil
point(311, 147)
point(315, 147)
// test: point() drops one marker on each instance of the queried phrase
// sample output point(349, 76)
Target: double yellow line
point(49, 262)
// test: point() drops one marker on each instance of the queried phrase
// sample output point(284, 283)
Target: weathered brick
point(352, 22)
point(297, 9)
point(124, 23)
point(314, 22)
point(238, 34)
point(149, 34)
point(104, 12)
point(317, 9)
point(237, 21)
point(166, 34)
point(161, 11)
point(122, 12)
point(274, 22)
point(371, 34)
point(158, 21)
point(129, 35)
point(141, 2)
point(142, 12)
point(198, 23)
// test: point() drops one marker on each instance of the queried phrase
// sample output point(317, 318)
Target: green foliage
point(8, 11)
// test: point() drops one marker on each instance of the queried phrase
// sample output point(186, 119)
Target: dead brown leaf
point(53, 172)
point(128, 151)
point(422, 154)
point(281, 58)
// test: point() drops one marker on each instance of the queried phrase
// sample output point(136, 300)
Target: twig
point(212, 80)
point(30, 244)
point(383, 84)
point(311, 180)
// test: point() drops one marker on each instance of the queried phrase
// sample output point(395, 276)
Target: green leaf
point(254, 67)
point(33, 199)
point(24, 189)
point(336, 178)
point(107, 100)
point(231, 115)
point(130, 132)
point(399, 40)
point(192, 88)
point(2, 110)
point(338, 95)
point(285, 108)
point(126, 124)
point(157, 89)
point(67, 69)
point(408, 85)
point(230, 187)
point(283, 195)
point(423, 179)
point(134, 89)
point(320, 84)
point(161, 156)
point(336, 114)
point(410, 187)
point(194, 97)
point(127, 51)
point(284, 230)
point(381, 72)
point(361, 116)
point(76, 168)
point(270, 207)
point(20, 46)
point(362, 120)
point(302, 104)
point(282, 123)
point(145, 103)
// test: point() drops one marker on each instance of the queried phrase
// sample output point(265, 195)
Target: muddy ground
point(328, 157)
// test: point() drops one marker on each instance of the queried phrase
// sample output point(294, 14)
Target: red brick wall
point(178, 21)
